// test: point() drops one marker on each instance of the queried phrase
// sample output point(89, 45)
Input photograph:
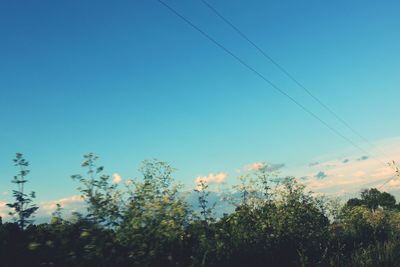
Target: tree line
point(148, 222)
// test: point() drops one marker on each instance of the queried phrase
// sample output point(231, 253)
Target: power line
point(290, 76)
point(298, 83)
point(387, 181)
point(397, 174)
point(242, 62)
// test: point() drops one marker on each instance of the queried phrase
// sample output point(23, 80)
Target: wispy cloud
point(363, 158)
point(395, 183)
point(340, 175)
point(254, 166)
point(321, 175)
point(275, 167)
point(260, 165)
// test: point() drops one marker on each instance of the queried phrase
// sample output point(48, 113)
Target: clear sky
point(129, 81)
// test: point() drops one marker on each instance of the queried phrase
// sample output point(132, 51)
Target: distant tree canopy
point(373, 198)
point(148, 222)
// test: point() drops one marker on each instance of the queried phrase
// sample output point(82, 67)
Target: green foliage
point(104, 201)
point(154, 222)
point(372, 199)
point(384, 254)
point(23, 207)
point(206, 212)
point(149, 223)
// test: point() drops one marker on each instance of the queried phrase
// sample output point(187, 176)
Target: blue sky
point(130, 81)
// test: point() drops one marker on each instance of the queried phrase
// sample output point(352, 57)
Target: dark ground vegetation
point(149, 223)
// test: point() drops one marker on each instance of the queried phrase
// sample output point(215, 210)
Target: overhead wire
point(265, 79)
point(397, 174)
point(297, 82)
point(289, 75)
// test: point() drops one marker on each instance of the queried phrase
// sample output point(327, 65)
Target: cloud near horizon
point(74, 203)
point(116, 178)
point(217, 178)
point(338, 175)
point(363, 158)
point(321, 175)
point(255, 166)
point(3, 209)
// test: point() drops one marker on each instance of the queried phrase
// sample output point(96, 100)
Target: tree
point(23, 206)
point(56, 216)
point(372, 199)
point(300, 224)
point(353, 202)
point(154, 221)
point(203, 194)
point(104, 201)
point(387, 201)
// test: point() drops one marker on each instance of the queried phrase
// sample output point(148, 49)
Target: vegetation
point(22, 207)
point(149, 223)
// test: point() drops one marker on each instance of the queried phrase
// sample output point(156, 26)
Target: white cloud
point(212, 178)
point(262, 165)
point(350, 172)
point(116, 178)
point(360, 174)
point(382, 172)
point(68, 204)
point(394, 183)
point(255, 166)
point(4, 210)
